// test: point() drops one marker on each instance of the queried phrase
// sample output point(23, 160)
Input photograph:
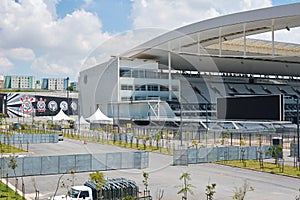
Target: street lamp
point(68, 94)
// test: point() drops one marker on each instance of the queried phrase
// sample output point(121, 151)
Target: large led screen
point(262, 107)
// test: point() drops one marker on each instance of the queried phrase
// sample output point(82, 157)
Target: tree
point(128, 198)
point(210, 191)
point(240, 192)
point(70, 180)
point(159, 194)
point(13, 165)
point(99, 179)
point(186, 187)
point(224, 137)
point(275, 152)
point(157, 138)
point(195, 143)
point(70, 88)
point(146, 184)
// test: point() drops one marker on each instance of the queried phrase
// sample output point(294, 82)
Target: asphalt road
point(165, 176)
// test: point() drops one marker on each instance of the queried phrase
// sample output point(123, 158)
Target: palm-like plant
point(99, 179)
point(186, 187)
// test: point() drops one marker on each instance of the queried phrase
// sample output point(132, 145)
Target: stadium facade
point(178, 76)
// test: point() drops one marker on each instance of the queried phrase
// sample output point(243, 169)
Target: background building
point(54, 84)
point(19, 82)
point(2, 81)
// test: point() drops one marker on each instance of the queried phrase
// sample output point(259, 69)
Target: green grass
point(5, 148)
point(7, 193)
point(267, 167)
point(123, 144)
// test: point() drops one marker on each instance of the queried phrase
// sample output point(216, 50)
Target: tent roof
point(98, 116)
point(82, 121)
point(61, 116)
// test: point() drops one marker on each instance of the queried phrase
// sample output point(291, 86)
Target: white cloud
point(172, 13)
point(5, 65)
point(22, 54)
point(32, 26)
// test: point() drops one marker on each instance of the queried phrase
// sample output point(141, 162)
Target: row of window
point(139, 98)
point(142, 73)
point(152, 87)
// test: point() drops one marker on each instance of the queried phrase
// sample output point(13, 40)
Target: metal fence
point(20, 138)
point(45, 165)
point(215, 154)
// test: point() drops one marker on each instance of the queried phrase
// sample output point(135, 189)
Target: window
point(126, 98)
point(125, 73)
point(126, 87)
point(164, 88)
point(84, 194)
point(152, 87)
point(140, 87)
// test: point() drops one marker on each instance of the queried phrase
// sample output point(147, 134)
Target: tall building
point(20, 82)
point(2, 81)
point(54, 84)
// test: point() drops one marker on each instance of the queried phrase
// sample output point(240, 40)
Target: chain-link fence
point(205, 155)
point(20, 138)
point(45, 165)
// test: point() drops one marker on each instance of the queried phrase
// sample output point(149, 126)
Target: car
point(60, 137)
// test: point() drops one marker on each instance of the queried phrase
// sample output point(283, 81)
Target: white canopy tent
point(99, 117)
point(82, 123)
point(61, 116)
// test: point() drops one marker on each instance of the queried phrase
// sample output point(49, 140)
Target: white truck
point(113, 189)
point(76, 193)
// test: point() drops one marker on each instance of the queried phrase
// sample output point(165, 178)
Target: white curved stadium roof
point(219, 32)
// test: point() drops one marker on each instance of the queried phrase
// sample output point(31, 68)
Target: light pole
point(298, 157)
point(181, 105)
point(68, 94)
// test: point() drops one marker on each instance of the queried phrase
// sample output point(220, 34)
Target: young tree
point(186, 187)
point(128, 198)
point(195, 143)
point(210, 191)
point(13, 165)
point(99, 179)
point(275, 152)
point(146, 184)
point(159, 194)
point(241, 192)
point(157, 138)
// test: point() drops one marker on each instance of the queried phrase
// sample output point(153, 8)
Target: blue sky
point(52, 38)
point(114, 14)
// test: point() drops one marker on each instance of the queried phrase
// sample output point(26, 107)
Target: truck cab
point(77, 193)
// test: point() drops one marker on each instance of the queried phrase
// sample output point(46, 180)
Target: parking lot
point(162, 176)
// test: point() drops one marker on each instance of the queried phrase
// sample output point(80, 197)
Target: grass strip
point(273, 168)
point(7, 193)
point(153, 148)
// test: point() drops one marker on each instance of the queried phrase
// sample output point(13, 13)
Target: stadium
point(178, 80)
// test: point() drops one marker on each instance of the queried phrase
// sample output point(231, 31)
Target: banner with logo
point(18, 105)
